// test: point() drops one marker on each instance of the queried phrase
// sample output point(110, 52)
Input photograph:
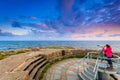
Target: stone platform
point(65, 70)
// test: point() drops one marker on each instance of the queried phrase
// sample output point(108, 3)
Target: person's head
point(107, 45)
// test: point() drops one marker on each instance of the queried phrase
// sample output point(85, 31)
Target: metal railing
point(115, 62)
point(96, 69)
point(97, 59)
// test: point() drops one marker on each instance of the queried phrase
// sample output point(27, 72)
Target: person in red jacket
point(107, 49)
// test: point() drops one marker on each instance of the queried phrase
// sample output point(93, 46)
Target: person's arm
point(103, 49)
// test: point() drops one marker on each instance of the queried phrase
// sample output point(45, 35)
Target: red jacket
point(108, 51)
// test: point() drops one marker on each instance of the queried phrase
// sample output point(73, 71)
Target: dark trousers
point(110, 62)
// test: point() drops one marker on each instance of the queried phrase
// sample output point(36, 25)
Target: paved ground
point(65, 70)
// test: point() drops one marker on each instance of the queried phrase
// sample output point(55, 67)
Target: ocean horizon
point(12, 45)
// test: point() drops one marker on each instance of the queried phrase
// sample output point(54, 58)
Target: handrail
point(83, 62)
point(115, 59)
point(118, 66)
point(96, 69)
point(88, 57)
point(95, 65)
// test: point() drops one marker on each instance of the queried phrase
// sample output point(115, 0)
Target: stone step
point(36, 77)
point(30, 63)
point(37, 69)
point(31, 67)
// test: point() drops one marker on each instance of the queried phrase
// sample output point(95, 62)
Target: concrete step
point(31, 67)
point(36, 70)
point(36, 77)
point(30, 63)
point(35, 67)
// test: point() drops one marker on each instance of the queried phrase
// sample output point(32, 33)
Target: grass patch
point(54, 47)
point(58, 60)
point(20, 51)
point(2, 56)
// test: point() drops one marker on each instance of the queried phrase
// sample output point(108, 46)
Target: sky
point(59, 19)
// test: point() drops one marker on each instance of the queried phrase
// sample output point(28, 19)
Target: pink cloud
point(97, 32)
point(66, 5)
point(42, 26)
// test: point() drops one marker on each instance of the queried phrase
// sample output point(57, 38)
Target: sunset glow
point(59, 20)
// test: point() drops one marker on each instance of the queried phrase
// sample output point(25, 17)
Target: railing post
point(118, 66)
point(96, 72)
point(96, 63)
point(87, 59)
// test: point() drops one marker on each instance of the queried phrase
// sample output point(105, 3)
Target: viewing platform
point(96, 67)
point(30, 65)
point(88, 68)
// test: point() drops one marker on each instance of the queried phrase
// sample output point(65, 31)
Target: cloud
point(29, 17)
point(99, 35)
point(76, 13)
point(76, 18)
point(40, 26)
point(65, 6)
point(65, 10)
point(114, 35)
point(0, 30)
point(5, 33)
point(15, 23)
point(86, 12)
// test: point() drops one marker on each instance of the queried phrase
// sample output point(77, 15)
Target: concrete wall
point(57, 54)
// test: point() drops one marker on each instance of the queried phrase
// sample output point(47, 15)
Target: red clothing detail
point(108, 51)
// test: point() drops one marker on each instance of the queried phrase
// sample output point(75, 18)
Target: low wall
point(59, 53)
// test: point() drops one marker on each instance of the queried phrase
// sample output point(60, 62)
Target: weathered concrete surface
point(10, 67)
point(21, 75)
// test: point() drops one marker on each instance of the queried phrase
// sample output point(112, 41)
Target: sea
point(12, 45)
